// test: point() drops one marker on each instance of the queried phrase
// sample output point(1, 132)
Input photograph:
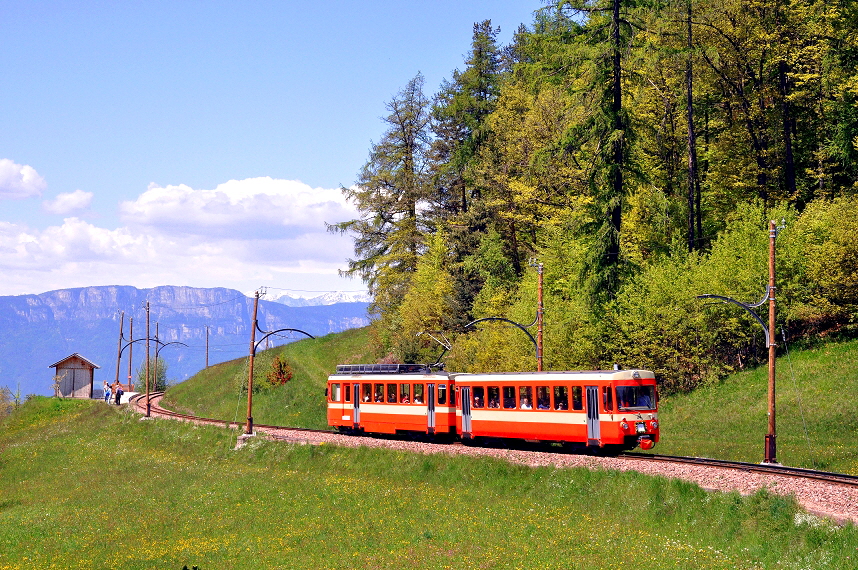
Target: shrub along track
point(824, 494)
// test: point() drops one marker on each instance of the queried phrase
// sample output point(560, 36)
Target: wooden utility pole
point(539, 320)
point(119, 349)
point(207, 346)
point(770, 455)
point(771, 445)
point(130, 350)
point(249, 428)
point(148, 403)
point(155, 371)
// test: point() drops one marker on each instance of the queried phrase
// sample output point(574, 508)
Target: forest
point(637, 150)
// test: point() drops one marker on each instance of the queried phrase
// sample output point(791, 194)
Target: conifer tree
point(460, 114)
point(605, 37)
point(391, 192)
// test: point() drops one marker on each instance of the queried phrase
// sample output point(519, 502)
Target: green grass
point(84, 485)
point(815, 391)
point(214, 392)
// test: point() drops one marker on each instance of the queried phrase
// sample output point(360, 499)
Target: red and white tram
point(607, 409)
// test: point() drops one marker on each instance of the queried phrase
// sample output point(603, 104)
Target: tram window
point(479, 396)
point(608, 397)
point(379, 392)
point(335, 392)
point(347, 392)
point(442, 394)
point(561, 397)
point(453, 396)
point(405, 393)
point(577, 402)
point(543, 398)
point(509, 397)
point(494, 397)
point(635, 397)
point(418, 393)
point(367, 392)
point(525, 397)
point(391, 393)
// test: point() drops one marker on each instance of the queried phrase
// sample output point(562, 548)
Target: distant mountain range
point(326, 299)
point(39, 330)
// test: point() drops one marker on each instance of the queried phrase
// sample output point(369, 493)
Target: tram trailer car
point(390, 399)
point(611, 410)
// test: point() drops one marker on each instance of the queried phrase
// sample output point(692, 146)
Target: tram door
point(430, 408)
point(465, 398)
point(356, 400)
point(594, 432)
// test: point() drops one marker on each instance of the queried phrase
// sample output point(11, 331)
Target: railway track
point(782, 470)
point(139, 403)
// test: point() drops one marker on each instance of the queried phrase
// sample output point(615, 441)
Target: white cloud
point(19, 181)
point(243, 234)
point(67, 203)
point(255, 207)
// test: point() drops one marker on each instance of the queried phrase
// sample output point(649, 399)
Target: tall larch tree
point(460, 113)
point(391, 192)
point(605, 39)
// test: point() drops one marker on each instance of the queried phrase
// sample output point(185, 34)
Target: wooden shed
point(77, 376)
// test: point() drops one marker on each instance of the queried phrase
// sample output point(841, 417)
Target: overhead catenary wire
point(800, 407)
point(238, 394)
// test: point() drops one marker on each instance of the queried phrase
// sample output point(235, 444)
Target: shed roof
point(75, 355)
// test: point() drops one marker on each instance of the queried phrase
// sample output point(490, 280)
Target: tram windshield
point(636, 397)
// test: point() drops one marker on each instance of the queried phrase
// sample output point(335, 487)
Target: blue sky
point(202, 143)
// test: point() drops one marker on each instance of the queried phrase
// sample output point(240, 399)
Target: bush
point(280, 373)
point(823, 262)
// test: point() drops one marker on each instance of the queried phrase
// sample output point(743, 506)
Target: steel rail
point(156, 398)
point(797, 472)
point(762, 468)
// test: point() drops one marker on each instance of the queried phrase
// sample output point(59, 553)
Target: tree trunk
point(693, 183)
point(616, 210)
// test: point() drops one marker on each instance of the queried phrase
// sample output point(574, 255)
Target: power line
point(201, 306)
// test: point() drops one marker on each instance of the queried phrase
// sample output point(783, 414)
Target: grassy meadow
point(84, 485)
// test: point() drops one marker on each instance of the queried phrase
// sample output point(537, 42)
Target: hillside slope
point(218, 391)
point(816, 415)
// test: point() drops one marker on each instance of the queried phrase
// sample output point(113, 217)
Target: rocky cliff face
point(38, 330)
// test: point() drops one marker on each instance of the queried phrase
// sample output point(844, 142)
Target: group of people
point(113, 392)
point(404, 399)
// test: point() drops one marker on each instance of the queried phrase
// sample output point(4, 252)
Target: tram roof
point(383, 369)
point(553, 375)
point(556, 375)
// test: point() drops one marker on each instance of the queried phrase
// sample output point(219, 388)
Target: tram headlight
point(654, 424)
point(624, 426)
